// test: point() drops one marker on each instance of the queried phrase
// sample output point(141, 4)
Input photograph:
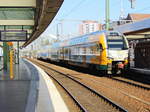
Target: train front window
point(116, 41)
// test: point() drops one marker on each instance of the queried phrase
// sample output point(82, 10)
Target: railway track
point(122, 80)
point(116, 89)
point(131, 97)
point(87, 99)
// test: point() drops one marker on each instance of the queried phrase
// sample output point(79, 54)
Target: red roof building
point(137, 17)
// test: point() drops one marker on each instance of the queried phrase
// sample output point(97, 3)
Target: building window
point(87, 28)
point(93, 28)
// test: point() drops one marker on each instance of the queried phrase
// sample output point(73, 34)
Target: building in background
point(131, 17)
point(137, 17)
point(89, 26)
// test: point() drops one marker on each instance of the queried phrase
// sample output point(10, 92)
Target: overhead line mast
point(107, 15)
point(121, 10)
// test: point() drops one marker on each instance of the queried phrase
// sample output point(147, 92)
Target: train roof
point(75, 40)
point(45, 47)
point(91, 37)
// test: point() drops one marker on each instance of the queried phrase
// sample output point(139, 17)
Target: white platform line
point(56, 103)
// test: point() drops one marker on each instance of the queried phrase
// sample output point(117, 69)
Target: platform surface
point(30, 90)
point(49, 99)
point(143, 71)
point(15, 92)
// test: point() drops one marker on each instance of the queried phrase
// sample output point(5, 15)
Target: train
point(142, 53)
point(105, 51)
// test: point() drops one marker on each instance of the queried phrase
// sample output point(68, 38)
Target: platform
point(142, 71)
point(49, 95)
point(29, 91)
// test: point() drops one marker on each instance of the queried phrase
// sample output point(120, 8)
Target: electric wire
point(142, 9)
point(74, 8)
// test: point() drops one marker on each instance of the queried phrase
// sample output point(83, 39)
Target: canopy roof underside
point(32, 16)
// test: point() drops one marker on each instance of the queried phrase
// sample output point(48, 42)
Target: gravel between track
point(90, 101)
point(125, 95)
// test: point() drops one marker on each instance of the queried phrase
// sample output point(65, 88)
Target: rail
point(131, 83)
point(116, 106)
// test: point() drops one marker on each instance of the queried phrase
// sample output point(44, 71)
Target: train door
point(62, 53)
point(69, 53)
point(84, 55)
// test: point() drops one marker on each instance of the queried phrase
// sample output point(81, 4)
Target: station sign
point(13, 35)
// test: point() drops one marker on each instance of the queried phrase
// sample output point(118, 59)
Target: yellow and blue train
point(102, 50)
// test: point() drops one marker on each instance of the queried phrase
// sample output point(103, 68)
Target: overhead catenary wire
point(70, 12)
point(143, 9)
point(74, 8)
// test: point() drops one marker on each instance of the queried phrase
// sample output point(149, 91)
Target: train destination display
point(13, 35)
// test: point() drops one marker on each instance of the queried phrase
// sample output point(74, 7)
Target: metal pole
point(122, 10)
point(11, 65)
point(107, 15)
point(61, 29)
point(18, 52)
point(57, 31)
point(5, 53)
point(132, 4)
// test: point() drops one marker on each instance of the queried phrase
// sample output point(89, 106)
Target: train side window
point(98, 48)
point(84, 50)
point(94, 49)
point(91, 49)
point(87, 50)
point(101, 47)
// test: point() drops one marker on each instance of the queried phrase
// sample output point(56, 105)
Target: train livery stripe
point(101, 67)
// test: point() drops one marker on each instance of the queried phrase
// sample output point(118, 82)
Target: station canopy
point(25, 20)
point(136, 30)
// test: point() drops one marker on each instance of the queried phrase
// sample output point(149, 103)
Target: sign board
point(13, 35)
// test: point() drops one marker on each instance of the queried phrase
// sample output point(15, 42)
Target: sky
point(72, 11)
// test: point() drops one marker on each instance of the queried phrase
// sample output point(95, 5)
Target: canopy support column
point(5, 52)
